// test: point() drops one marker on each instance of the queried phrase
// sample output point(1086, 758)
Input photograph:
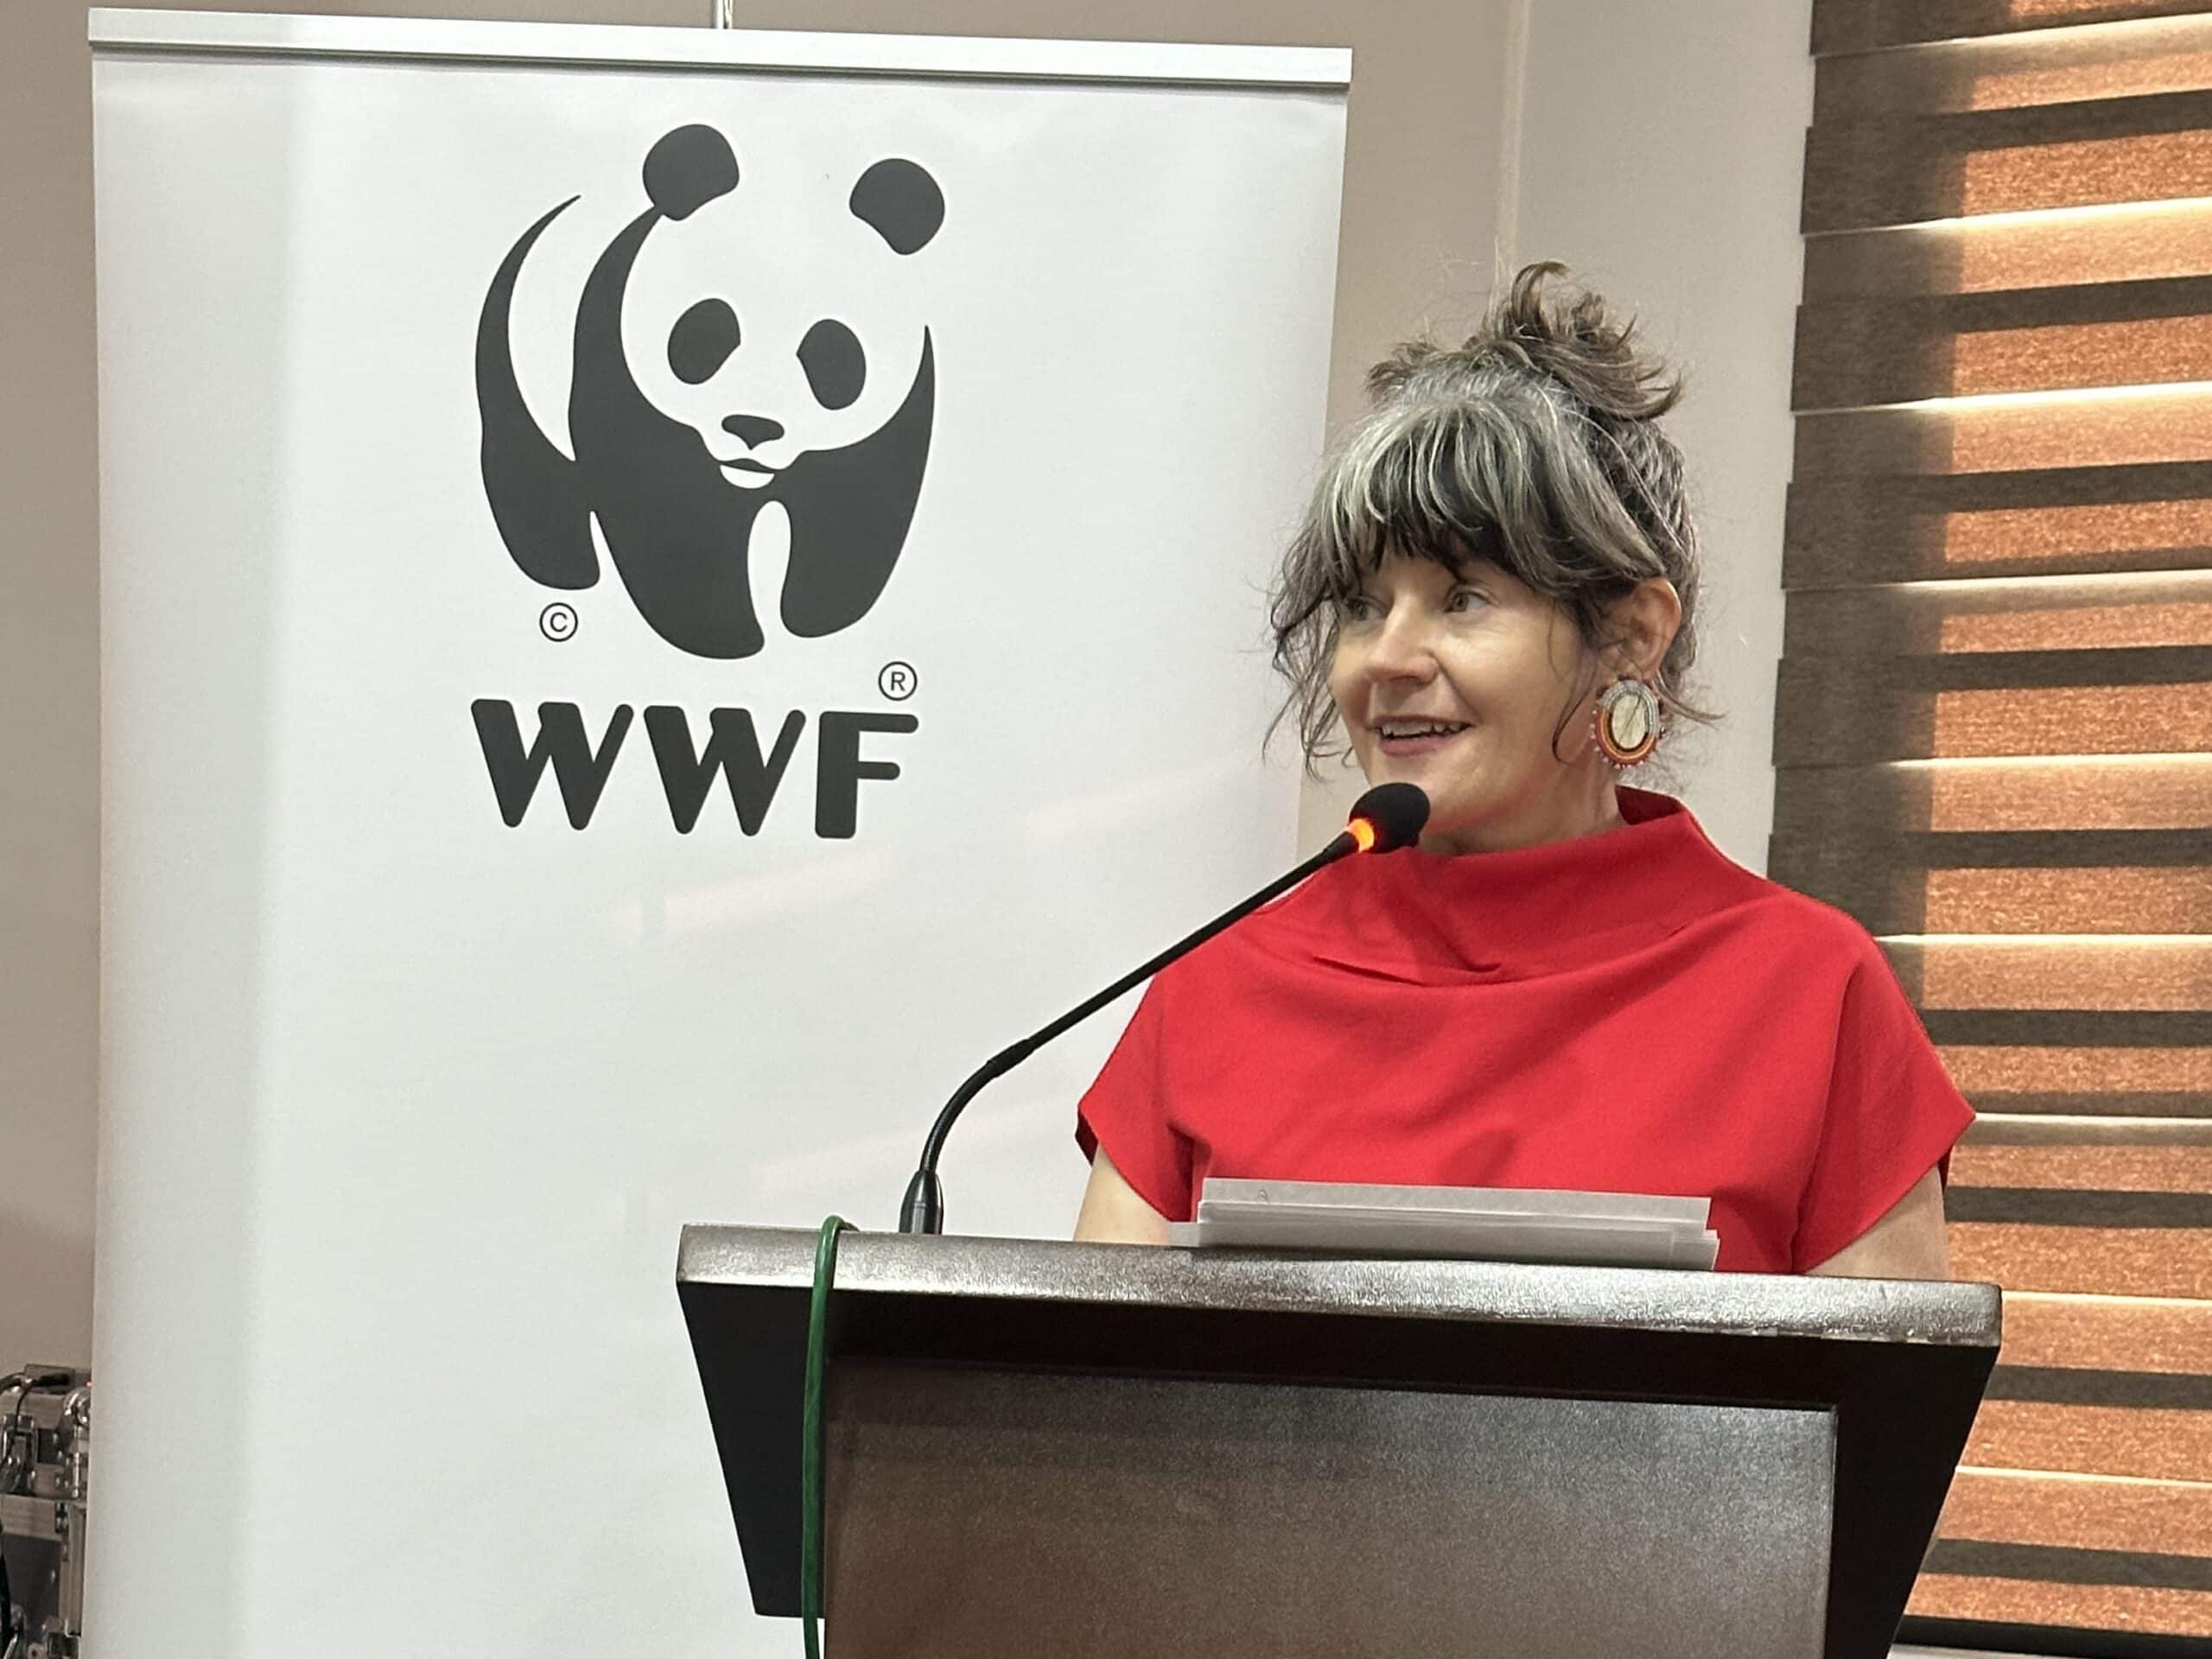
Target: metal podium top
point(1033, 1270)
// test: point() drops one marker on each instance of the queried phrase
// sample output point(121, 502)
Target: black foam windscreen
point(1398, 810)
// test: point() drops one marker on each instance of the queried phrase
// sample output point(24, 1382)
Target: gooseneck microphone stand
point(1388, 817)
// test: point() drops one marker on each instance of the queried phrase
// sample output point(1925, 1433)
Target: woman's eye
point(1357, 608)
point(1466, 598)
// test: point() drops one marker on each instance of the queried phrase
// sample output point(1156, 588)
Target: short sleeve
point(1125, 1110)
point(1893, 1114)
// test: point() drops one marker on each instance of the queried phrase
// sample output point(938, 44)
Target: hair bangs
point(1415, 486)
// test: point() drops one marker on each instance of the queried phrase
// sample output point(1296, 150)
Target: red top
point(1627, 1012)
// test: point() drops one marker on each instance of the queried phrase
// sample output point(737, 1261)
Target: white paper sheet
point(1475, 1223)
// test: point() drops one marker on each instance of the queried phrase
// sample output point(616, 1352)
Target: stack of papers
point(1614, 1229)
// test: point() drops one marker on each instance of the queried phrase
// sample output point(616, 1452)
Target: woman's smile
point(1403, 739)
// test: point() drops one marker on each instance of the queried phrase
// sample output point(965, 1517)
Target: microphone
point(1387, 817)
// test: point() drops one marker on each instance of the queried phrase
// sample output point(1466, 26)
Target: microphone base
point(922, 1208)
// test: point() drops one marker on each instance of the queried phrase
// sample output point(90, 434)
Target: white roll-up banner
point(663, 593)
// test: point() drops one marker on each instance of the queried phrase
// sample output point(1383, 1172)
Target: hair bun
point(1552, 325)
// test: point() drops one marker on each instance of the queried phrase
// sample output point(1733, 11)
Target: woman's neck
point(1585, 803)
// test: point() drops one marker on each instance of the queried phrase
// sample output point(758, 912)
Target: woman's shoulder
point(1784, 918)
point(1771, 908)
point(1777, 904)
point(1714, 896)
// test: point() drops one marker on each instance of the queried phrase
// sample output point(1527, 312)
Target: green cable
point(810, 1485)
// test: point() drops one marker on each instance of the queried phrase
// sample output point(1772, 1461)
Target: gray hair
point(1534, 444)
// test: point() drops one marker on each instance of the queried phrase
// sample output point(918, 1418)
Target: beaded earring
point(1628, 723)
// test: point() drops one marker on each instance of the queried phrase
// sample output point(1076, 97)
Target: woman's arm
point(1906, 1244)
point(1112, 1212)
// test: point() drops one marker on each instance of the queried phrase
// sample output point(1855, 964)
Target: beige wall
point(1659, 144)
point(1663, 155)
point(49, 690)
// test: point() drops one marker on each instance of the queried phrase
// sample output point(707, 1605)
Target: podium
point(1045, 1448)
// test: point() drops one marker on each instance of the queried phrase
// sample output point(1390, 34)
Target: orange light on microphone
point(1362, 832)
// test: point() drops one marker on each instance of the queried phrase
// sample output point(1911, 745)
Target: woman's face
point(1457, 681)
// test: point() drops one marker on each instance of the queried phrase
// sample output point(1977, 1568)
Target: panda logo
point(739, 407)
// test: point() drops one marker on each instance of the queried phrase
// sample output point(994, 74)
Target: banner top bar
point(634, 46)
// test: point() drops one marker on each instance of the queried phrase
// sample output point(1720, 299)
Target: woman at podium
point(1494, 596)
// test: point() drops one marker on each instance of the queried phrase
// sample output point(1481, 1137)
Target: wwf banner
point(663, 595)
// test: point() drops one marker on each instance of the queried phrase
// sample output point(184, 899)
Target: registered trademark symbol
point(558, 622)
point(898, 681)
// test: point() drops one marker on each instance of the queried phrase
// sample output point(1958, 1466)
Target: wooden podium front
point(1044, 1448)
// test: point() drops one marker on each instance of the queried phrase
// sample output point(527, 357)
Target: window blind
point(1992, 712)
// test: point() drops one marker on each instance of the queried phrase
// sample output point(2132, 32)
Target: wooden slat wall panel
point(1935, 671)
point(2130, 1441)
point(1892, 527)
point(2106, 1334)
point(2021, 882)
point(2160, 1518)
point(2129, 797)
point(2002, 1067)
point(1837, 712)
point(2131, 245)
point(1883, 171)
point(2087, 614)
point(2010, 436)
point(2116, 1261)
point(1874, 882)
point(2147, 973)
point(1995, 695)
point(1854, 353)
point(2067, 1077)
point(2040, 1206)
point(1867, 25)
point(2058, 1030)
point(2019, 72)
point(2109, 1168)
point(2078, 1605)
point(2057, 1132)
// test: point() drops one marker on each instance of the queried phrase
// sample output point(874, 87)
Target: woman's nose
point(1401, 648)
